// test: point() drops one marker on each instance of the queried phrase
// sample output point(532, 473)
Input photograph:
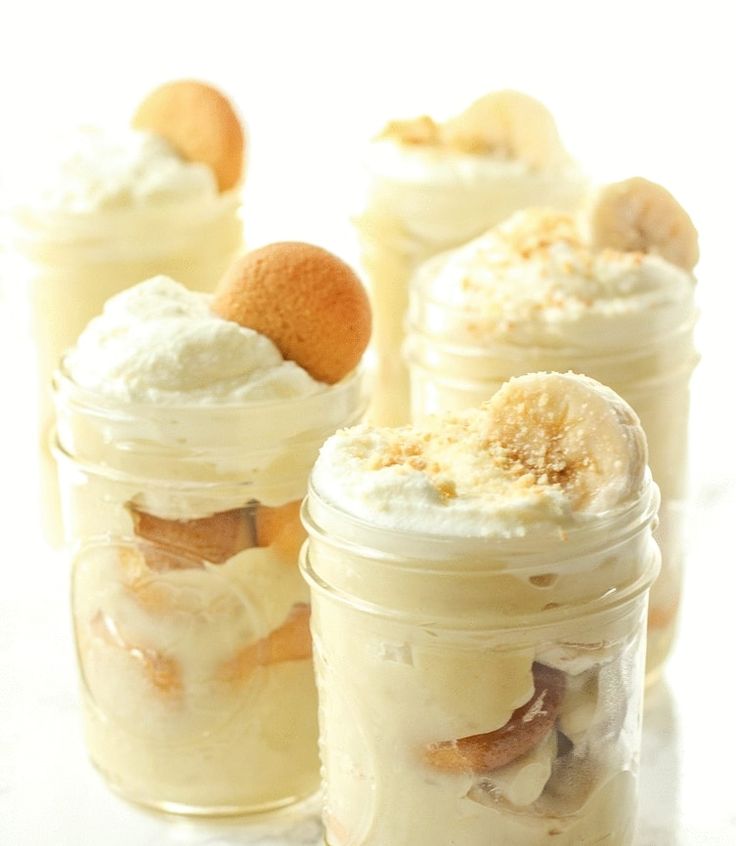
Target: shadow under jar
point(190, 615)
point(479, 691)
point(453, 366)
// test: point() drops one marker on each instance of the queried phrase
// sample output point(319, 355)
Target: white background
point(637, 87)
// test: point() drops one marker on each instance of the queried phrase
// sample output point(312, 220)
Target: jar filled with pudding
point(479, 592)
point(109, 208)
point(544, 291)
point(431, 186)
point(184, 440)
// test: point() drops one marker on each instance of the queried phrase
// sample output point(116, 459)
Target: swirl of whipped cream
point(433, 480)
point(158, 342)
point(97, 170)
point(534, 280)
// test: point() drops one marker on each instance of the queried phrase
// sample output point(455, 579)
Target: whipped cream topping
point(158, 342)
point(96, 170)
point(443, 477)
point(422, 163)
point(534, 279)
point(438, 197)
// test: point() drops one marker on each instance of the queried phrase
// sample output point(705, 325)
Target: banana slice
point(522, 781)
point(640, 216)
point(569, 430)
point(510, 124)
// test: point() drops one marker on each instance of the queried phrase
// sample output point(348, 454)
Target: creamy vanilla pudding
point(479, 586)
point(184, 441)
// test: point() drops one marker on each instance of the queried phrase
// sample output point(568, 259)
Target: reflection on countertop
point(660, 770)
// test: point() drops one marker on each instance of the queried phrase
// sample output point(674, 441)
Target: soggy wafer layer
point(529, 724)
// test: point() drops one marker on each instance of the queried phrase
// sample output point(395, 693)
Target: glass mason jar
point(479, 691)
point(418, 203)
point(453, 368)
point(60, 269)
point(190, 615)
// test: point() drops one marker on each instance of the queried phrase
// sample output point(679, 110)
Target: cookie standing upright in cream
point(184, 440)
point(432, 186)
point(114, 207)
point(609, 294)
point(479, 589)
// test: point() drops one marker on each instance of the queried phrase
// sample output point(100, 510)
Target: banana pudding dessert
point(479, 589)
point(113, 207)
point(187, 425)
point(433, 185)
point(609, 293)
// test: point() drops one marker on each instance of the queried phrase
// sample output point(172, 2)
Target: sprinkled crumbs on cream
point(536, 279)
point(462, 443)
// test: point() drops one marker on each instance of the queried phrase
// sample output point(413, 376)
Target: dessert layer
point(425, 199)
point(536, 280)
point(547, 451)
point(159, 343)
point(96, 170)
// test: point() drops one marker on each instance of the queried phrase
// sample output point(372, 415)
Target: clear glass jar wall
point(479, 691)
point(450, 369)
point(190, 615)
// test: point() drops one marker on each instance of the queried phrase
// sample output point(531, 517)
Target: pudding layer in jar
point(546, 291)
point(432, 186)
point(184, 443)
point(479, 587)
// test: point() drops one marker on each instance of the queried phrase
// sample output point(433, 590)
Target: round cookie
point(306, 300)
point(200, 123)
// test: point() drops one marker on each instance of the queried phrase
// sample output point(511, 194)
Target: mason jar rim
point(591, 364)
point(183, 485)
point(606, 531)
point(504, 351)
point(616, 602)
point(24, 216)
point(97, 404)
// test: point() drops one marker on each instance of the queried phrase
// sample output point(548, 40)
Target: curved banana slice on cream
point(510, 124)
point(569, 430)
point(637, 215)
